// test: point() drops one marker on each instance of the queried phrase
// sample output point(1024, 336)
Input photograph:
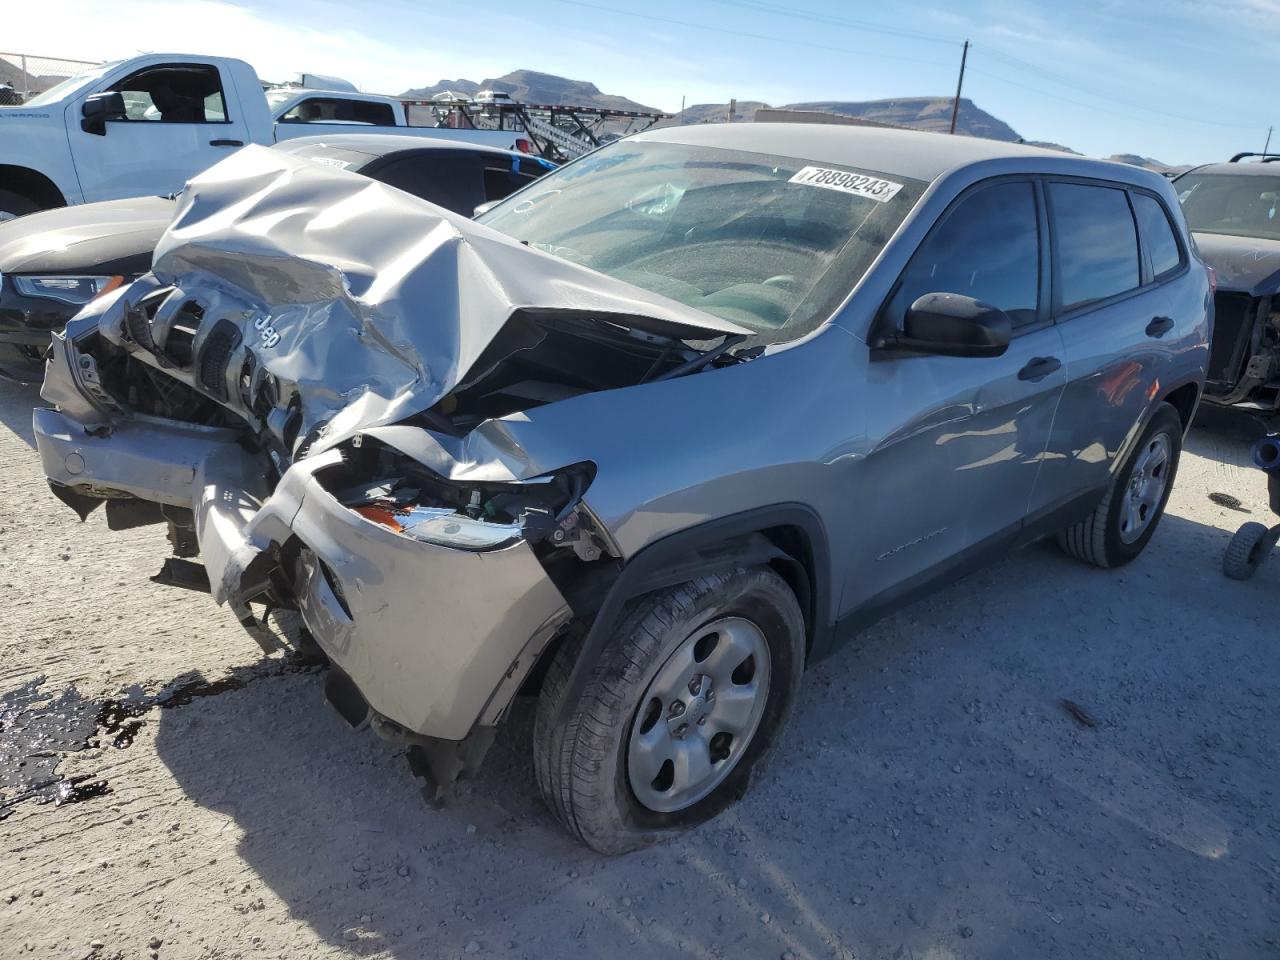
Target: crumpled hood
point(345, 298)
point(1243, 264)
point(92, 238)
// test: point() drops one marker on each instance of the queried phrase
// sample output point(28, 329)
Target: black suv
point(1233, 209)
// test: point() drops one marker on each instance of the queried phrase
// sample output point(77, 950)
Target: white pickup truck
point(144, 126)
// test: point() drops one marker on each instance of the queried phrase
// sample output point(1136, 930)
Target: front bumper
point(437, 640)
point(26, 325)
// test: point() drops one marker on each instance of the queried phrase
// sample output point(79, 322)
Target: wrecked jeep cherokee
point(653, 435)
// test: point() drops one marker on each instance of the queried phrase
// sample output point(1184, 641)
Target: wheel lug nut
point(682, 730)
point(701, 721)
point(677, 708)
point(694, 684)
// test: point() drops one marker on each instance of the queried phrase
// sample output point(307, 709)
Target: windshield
point(771, 243)
point(69, 86)
point(1241, 204)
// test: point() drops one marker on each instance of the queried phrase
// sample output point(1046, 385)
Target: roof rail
point(1266, 157)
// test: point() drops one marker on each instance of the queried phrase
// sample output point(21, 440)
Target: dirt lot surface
point(933, 798)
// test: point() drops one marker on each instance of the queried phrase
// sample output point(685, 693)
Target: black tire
point(14, 204)
point(580, 762)
point(1097, 538)
point(1247, 549)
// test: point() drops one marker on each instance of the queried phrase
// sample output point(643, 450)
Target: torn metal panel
point(298, 286)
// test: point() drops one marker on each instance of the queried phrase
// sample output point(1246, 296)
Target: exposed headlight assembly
point(74, 290)
point(421, 505)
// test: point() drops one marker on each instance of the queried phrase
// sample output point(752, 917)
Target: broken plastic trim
point(386, 487)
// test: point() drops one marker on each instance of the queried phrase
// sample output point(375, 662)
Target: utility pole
point(682, 116)
point(1268, 143)
point(955, 107)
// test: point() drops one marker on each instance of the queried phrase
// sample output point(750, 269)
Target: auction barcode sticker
point(873, 188)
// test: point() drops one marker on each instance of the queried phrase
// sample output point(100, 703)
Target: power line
point(1061, 80)
point(866, 26)
point(1144, 116)
point(743, 33)
point(764, 6)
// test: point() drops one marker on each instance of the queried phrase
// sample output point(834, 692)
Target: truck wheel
point(14, 205)
point(679, 713)
point(1120, 526)
point(1247, 549)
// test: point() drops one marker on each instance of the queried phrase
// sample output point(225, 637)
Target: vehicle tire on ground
point(683, 706)
point(14, 204)
point(1120, 526)
point(1247, 549)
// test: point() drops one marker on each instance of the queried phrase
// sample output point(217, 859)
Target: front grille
point(215, 355)
point(1233, 325)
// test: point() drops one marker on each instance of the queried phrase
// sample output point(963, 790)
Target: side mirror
point(98, 109)
point(484, 207)
point(952, 325)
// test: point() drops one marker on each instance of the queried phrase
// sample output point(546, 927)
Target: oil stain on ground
point(38, 729)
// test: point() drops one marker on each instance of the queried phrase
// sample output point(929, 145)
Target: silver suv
point(653, 435)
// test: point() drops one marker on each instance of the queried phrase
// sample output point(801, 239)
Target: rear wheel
point(678, 714)
point(1122, 524)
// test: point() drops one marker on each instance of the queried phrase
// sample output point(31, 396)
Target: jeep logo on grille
point(269, 335)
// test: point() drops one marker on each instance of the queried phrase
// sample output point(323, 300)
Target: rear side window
point(446, 178)
point(987, 248)
point(1096, 243)
point(328, 110)
point(1157, 234)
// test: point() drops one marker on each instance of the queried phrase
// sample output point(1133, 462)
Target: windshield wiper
point(695, 364)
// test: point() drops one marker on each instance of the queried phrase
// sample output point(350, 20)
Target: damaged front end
point(304, 390)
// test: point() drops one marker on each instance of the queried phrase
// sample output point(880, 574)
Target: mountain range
point(530, 86)
point(916, 113)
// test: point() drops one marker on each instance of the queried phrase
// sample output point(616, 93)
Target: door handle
point(226, 143)
point(1159, 326)
point(1038, 368)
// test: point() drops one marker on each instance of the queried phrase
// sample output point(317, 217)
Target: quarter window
point(1096, 243)
point(986, 248)
point(1157, 234)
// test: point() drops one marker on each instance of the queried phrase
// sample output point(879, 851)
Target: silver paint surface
point(382, 303)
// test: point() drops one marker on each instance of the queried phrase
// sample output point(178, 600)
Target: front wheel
point(681, 710)
point(1122, 524)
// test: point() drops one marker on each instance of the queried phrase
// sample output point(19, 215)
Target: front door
point(177, 122)
point(958, 441)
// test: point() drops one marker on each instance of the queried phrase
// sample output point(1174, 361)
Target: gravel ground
point(932, 799)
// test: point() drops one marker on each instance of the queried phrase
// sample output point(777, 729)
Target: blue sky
point(1182, 81)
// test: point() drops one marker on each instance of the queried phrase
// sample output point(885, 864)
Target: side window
point(333, 110)
point(1096, 242)
point(501, 182)
point(441, 177)
point(987, 248)
point(176, 93)
point(1157, 234)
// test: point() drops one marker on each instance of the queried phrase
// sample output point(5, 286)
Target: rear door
point(179, 119)
point(960, 439)
point(1119, 317)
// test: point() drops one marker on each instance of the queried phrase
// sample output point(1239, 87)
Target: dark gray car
point(1233, 210)
point(649, 438)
